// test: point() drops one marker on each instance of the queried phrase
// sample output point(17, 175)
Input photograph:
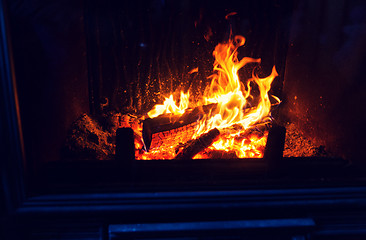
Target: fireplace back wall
point(148, 48)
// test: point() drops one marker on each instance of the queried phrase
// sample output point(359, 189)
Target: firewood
point(198, 145)
point(258, 128)
point(169, 130)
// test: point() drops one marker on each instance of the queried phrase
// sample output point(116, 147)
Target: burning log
point(168, 130)
point(198, 145)
point(249, 143)
point(259, 128)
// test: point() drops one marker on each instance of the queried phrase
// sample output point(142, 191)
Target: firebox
point(121, 107)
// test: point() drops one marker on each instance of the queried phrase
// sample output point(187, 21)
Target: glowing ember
point(239, 122)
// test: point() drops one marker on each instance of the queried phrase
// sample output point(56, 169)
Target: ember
point(298, 145)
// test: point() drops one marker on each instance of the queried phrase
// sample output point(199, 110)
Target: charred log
point(198, 145)
point(170, 130)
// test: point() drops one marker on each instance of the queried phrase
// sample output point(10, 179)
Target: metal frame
point(12, 161)
point(23, 216)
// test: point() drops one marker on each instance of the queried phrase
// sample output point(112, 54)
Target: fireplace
point(103, 89)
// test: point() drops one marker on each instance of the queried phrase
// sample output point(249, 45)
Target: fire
point(231, 94)
point(169, 106)
point(250, 147)
point(234, 114)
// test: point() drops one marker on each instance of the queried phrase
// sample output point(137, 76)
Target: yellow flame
point(231, 94)
point(233, 113)
point(249, 147)
point(169, 106)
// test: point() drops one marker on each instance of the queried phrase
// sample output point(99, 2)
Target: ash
point(298, 145)
point(94, 138)
point(90, 139)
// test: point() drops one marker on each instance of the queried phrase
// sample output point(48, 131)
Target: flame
point(234, 113)
point(229, 92)
point(169, 106)
point(250, 147)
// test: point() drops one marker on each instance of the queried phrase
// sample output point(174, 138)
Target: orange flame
point(228, 91)
point(233, 114)
point(169, 106)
